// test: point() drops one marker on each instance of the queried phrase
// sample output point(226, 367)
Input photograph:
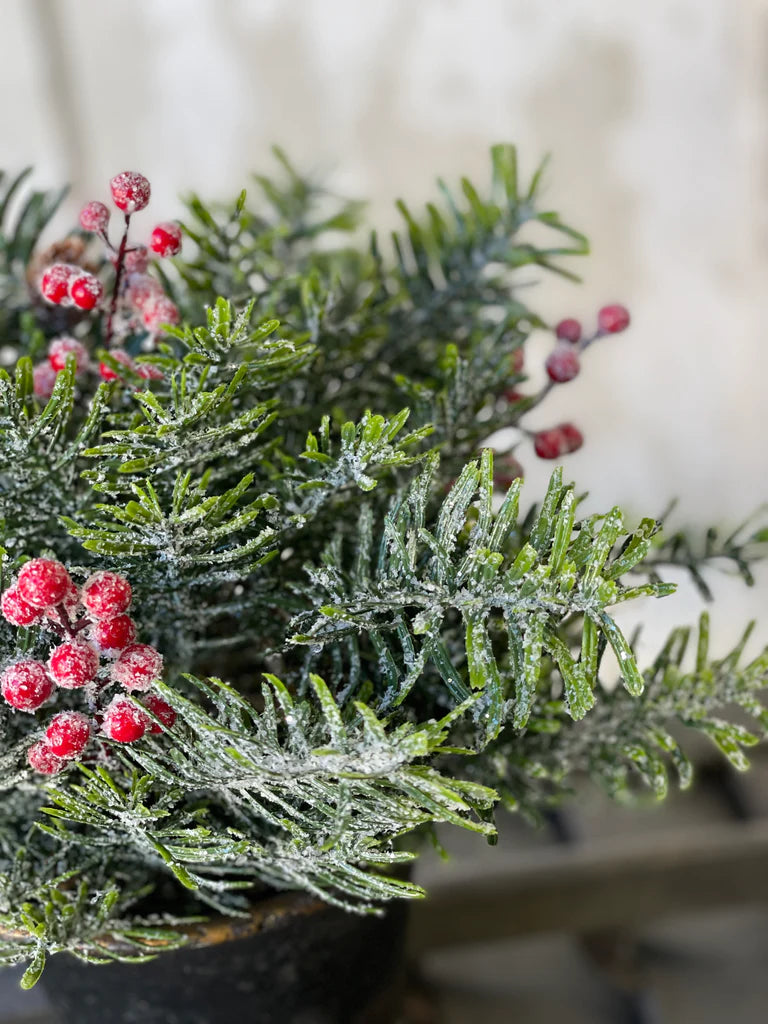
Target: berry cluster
point(44, 373)
point(94, 648)
point(138, 303)
point(562, 365)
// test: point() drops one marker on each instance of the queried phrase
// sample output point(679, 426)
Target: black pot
point(294, 961)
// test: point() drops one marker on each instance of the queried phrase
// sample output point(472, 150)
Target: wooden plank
point(611, 884)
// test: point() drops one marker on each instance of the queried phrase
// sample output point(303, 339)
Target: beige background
point(655, 115)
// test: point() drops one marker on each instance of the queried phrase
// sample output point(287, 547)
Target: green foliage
point(305, 493)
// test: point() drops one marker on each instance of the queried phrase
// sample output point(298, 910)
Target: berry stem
point(118, 278)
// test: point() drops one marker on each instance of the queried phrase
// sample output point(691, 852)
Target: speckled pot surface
point(295, 961)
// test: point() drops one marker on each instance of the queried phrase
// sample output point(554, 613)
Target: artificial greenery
point(304, 506)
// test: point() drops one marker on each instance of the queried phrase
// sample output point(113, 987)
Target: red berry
point(568, 330)
point(572, 437)
point(142, 288)
point(509, 470)
point(166, 239)
point(137, 260)
point(125, 722)
point(513, 395)
point(86, 291)
point(549, 444)
point(160, 311)
point(26, 685)
point(106, 594)
point(43, 582)
point(107, 372)
point(562, 364)
point(54, 284)
point(43, 380)
point(160, 709)
point(114, 634)
point(94, 217)
point(613, 319)
point(42, 759)
point(68, 734)
point(16, 610)
point(148, 371)
point(138, 667)
point(60, 348)
point(130, 191)
point(73, 664)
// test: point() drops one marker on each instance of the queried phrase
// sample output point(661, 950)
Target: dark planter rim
point(219, 928)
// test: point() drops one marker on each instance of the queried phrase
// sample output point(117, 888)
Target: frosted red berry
point(43, 760)
point(549, 444)
point(106, 594)
point(60, 348)
point(160, 709)
point(142, 288)
point(16, 610)
point(26, 685)
point(43, 582)
point(562, 365)
point(568, 330)
point(136, 260)
point(166, 239)
point(114, 634)
point(68, 734)
point(130, 191)
point(86, 291)
point(94, 217)
point(138, 667)
point(54, 284)
point(108, 372)
point(572, 437)
point(124, 721)
point(613, 319)
point(160, 311)
point(73, 664)
point(43, 380)
point(148, 371)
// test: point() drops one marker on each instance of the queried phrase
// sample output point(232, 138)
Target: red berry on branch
point(166, 239)
point(112, 635)
point(68, 734)
point(513, 395)
point(508, 470)
point(613, 319)
point(136, 260)
point(43, 380)
point(43, 760)
point(518, 360)
point(106, 594)
point(130, 191)
point(549, 444)
point(138, 667)
point(142, 288)
point(16, 610)
point(73, 664)
point(124, 721)
point(160, 709)
point(60, 348)
point(572, 437)
point(86, 291)
point(26, 685)
point(54, 284)
point(569, 330)
point(94, 217)
point(562, 364)
point(43, 582)
point(107, 372)
point(160, 311)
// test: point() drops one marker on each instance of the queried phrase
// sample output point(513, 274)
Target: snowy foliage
point(299, 496)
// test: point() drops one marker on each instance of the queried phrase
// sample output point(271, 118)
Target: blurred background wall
point(655, 114)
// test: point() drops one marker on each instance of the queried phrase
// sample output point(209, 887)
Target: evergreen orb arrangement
point(270, 606)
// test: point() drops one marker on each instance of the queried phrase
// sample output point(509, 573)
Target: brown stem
point(118, 279)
